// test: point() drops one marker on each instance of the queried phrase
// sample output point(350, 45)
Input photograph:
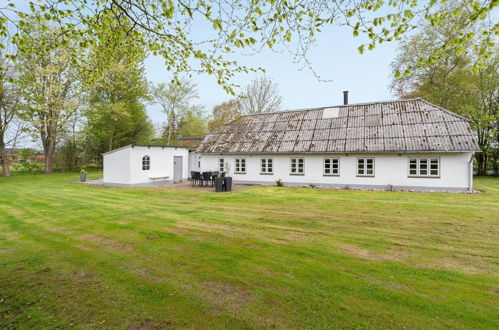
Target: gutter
point(470, 172)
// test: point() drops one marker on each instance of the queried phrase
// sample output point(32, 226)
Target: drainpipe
point(470, 172)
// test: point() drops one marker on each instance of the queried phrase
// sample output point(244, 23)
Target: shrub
point(279, 183)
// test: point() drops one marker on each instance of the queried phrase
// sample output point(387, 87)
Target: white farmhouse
point(403, 144)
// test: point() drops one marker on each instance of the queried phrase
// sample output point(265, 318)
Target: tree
point(49, 82)
point(452, 81)
point(116, 114)
point(176, 101)
point(164, 27)
point(10, 97)
point(193, 124)
point(224, 113)
point(116, 93)
point(260, 95)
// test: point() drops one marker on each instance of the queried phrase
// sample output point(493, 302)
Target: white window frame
point(357, 163)
point(241, 167)
point(331, 167)
point(146, 163)
point(428, 167)
point(297, 172)
point(221, 164)
point(264, 164)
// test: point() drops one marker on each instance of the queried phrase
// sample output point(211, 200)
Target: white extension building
point(140, 165)
point(403, 144)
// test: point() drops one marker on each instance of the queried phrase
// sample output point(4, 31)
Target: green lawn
point(142, 258)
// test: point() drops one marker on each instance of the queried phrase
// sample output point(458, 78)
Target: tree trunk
point(481, 162)
point(495, 165)
point(5, 161)
point(49, 157)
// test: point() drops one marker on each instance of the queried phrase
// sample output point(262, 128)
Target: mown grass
point(92, 257)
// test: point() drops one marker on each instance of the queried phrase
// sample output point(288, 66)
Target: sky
point(334, 57)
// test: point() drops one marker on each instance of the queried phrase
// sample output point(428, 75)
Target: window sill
point(423, 177)
point(330, 175)
point(266, 173)
point(297, 174)
point(365, 175)
point(239, 172)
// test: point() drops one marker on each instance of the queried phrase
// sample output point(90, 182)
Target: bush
point(279, 183)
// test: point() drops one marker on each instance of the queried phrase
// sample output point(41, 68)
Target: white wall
point(390, 169)
point(124, 166)
point(194, 160)
point(117, 166)
point(161, 163)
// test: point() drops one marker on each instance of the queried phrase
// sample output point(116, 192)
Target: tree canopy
point(167, 28)
point(452, 81)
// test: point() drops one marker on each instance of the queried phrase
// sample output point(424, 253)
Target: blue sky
point(335, 57)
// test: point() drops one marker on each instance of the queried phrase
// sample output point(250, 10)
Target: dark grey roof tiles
point(395, 126)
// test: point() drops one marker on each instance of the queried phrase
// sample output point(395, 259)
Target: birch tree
point(49, 81)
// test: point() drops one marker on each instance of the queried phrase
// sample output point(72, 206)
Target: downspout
point(470, 172)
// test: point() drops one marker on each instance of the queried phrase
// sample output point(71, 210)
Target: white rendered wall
point(161, 163)
point(194, 160)
point(117, 167)
point(390, 169)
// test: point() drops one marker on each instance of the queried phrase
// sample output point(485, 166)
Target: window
point(297, 165)
point(146, 163)
point(365, 166)
point(266, 166)
point(331, 166)
point(425, 167)
point(221, 165)
point(240, 166)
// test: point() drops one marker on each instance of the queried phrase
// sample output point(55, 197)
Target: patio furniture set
point(215, 179)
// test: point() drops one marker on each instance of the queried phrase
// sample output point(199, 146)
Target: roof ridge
point(333, 106)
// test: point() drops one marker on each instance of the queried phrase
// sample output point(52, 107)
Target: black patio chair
point(192, 178)
point(207, 178)
point(197, 178)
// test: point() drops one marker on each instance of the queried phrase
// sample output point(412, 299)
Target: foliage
point(49, 82)
point(26, 164)
point(28, 167)
point(261, 257)
point(176, 101)
point(165, 27)
point(452, 82)
point(260, 95)
point(279, 183)
point(116, 114)
point(224, 113)
point(115, 94)
point(11, 127)
point(193, 123)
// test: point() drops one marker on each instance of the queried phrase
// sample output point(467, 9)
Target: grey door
point(177, 168)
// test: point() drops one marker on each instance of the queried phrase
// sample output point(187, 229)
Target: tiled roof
point(394, 126)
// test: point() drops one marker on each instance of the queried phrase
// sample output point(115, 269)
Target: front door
point(177, 168)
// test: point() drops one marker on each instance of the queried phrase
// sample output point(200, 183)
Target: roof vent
point(333, 112)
